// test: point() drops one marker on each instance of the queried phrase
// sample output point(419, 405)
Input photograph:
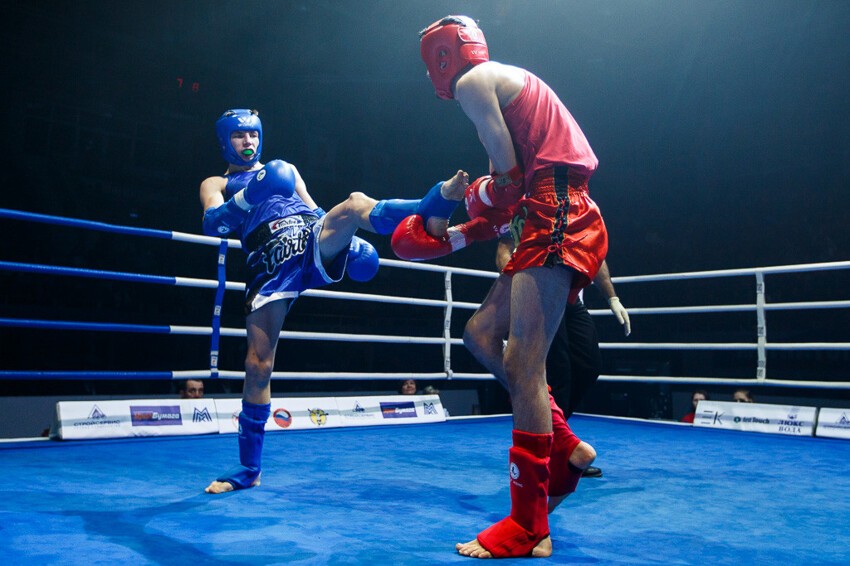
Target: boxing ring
point(671, 493)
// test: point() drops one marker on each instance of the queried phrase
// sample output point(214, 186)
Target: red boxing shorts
point(557, 223)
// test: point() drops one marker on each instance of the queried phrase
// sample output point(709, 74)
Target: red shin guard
point(563, 478)
point(528, 523)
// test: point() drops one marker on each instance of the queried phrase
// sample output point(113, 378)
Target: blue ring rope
point(82, 272)
point(83, 375)
point(96, 326)
point(101, 226)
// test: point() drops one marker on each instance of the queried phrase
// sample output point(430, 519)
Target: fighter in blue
point(292, 246)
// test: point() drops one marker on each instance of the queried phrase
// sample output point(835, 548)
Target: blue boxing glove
point(221, 220)
point(362, 260)
point(275, 178)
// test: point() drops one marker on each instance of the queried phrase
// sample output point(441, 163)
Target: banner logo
point(318, 417)
point(155, 415)
point(96, 413)
point(402, 410)
point(98, 418)
point(282, 418)
point(201, 416)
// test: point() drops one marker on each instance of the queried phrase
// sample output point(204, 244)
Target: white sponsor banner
point(167, 417)
point(286, 413)
point(360, 411)
point(834, 423)
point(756, 417)
point(390, 409)
point(142, 417)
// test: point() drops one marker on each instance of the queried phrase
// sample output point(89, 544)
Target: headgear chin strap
point(238, 120)
point(448, 48)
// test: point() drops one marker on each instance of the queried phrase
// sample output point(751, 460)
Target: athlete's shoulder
point(491, 75)
point(216, 182)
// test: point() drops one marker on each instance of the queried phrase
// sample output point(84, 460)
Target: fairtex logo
point(405, 410)
point(282, 223)
point(156, 415)
point(201, 416)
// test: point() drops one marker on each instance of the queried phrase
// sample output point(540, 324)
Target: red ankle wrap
point(562, 479)
point(528, 524)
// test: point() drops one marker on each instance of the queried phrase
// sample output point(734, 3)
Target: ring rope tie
point(219, 299)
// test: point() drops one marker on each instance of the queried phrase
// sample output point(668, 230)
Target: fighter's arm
point(220, 217)
point(212, 192)
point(603, 280)
point(476, 93)
point(301, 190)
point(504, 249)
point(412, 241)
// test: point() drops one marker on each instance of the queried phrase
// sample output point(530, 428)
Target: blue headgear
point(235, 120)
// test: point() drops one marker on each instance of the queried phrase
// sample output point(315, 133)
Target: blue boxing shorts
point(284, 260)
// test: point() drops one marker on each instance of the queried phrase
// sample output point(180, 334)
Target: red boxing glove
point(498, 191)
point(412, 242)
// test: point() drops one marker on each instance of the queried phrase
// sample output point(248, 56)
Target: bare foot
point(225, 486)
point(473, 549)
point(453, 189)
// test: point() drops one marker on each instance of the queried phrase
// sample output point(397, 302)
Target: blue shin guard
point(252, 429)
point(433, 204)
point(388, 213)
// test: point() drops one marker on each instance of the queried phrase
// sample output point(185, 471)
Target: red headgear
point(449, 48)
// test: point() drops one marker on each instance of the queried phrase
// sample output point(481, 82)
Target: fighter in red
point(540, 162)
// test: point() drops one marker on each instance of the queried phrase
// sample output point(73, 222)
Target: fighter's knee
point(473, 338)
point(357, 202)
point(583, 456)
point(258, 372)
point(516, 363)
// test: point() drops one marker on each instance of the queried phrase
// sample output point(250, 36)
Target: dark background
point(721, 128)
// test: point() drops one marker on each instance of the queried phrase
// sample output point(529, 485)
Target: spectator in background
point(408, 387)
point(743, 396)
point(192, 389)
point(699, 395)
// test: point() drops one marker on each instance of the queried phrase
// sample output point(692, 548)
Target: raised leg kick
point(439, 202)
